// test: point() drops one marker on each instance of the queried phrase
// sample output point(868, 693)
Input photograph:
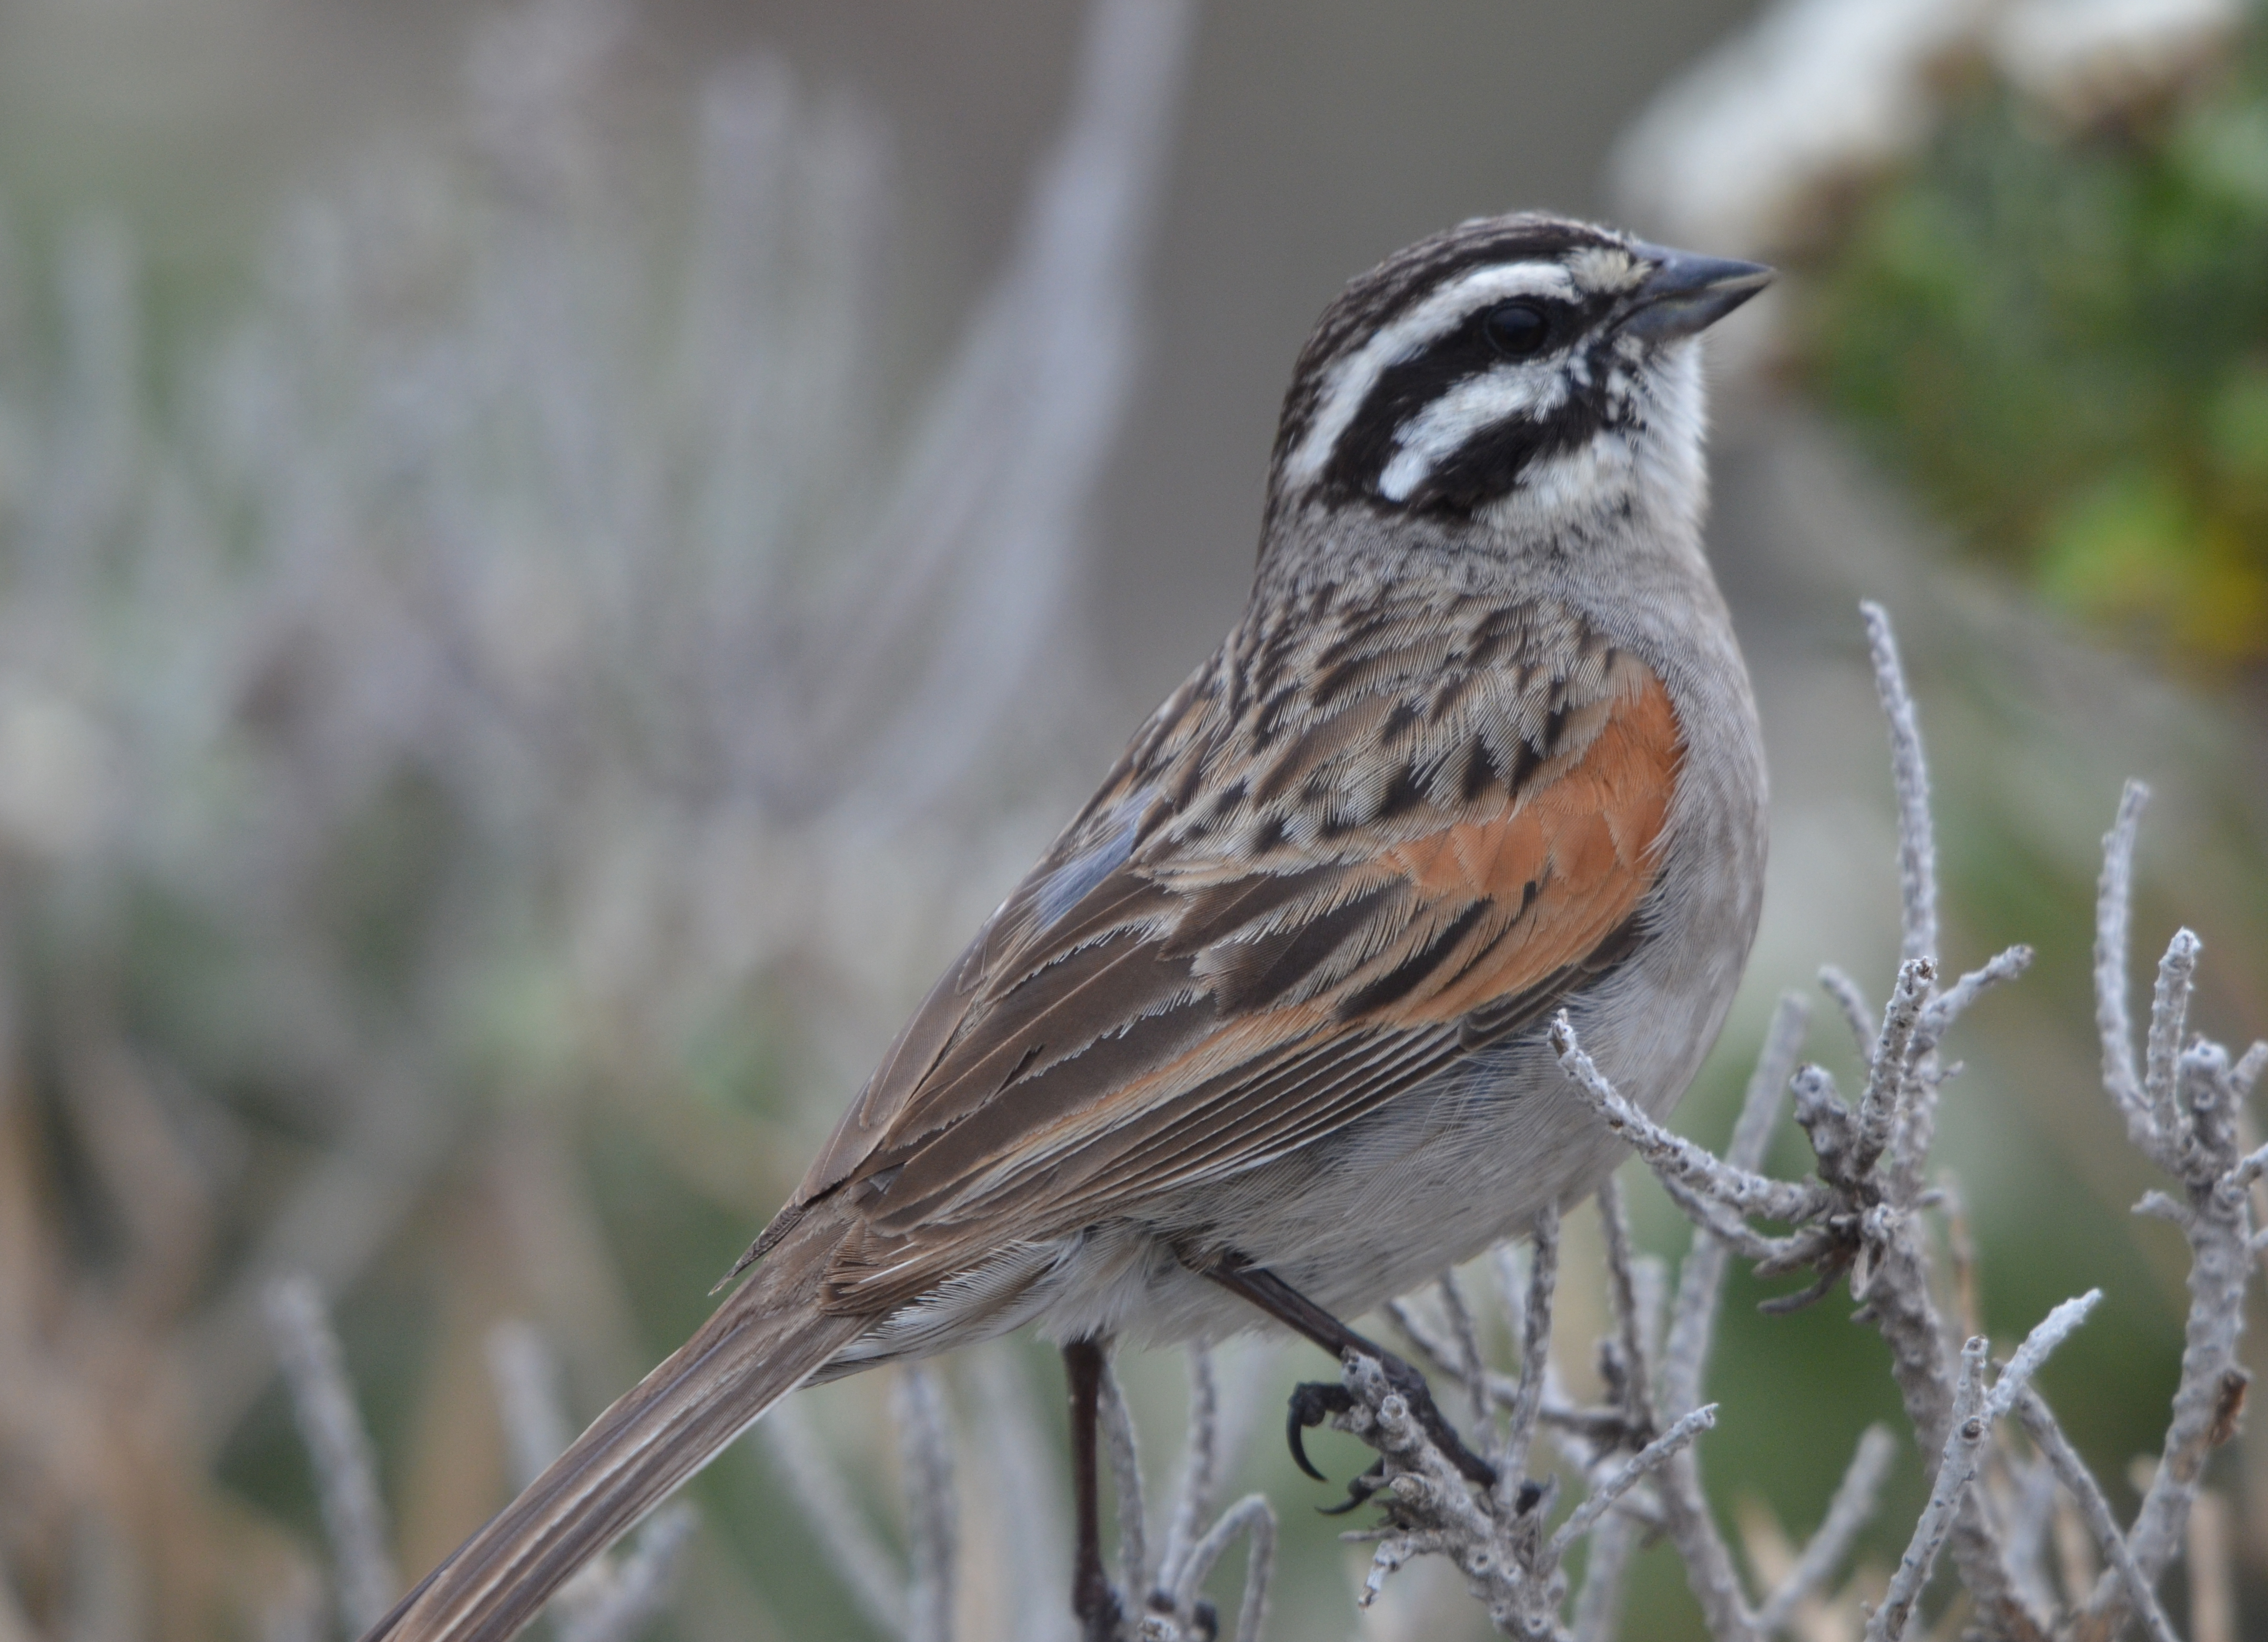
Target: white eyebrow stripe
point(1445, 426)
point(1353, 378)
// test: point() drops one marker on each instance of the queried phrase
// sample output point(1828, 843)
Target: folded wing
point(1324, 871)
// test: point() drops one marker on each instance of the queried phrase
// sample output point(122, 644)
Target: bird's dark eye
point(1515, 329)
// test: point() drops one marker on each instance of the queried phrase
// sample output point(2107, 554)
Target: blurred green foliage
point(2057, 333)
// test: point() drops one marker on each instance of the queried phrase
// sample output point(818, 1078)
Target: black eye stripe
point(1403, 389)
point(1492, 461)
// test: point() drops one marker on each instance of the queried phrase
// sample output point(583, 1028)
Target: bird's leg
point(1312, 1404)
point(1093, 1601)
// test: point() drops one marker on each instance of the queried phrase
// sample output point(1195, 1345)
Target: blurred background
point(556, 558)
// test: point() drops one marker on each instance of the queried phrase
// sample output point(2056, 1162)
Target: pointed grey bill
point(1688, 293)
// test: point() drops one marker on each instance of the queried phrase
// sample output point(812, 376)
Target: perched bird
point(1263, 1032)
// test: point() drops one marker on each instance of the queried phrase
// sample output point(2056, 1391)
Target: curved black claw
point(1357, 1491)
point(1413, 1390)
point(1311, 1405)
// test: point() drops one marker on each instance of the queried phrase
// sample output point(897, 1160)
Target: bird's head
point(1525, 372)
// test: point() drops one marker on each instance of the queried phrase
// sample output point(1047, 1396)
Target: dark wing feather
point(1340, 892)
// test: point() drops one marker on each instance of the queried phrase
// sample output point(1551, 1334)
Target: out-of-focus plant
point(2024, 240)
point(2053, 324)
point(467, 731)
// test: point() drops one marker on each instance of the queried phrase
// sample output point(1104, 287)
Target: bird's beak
point(1688, 293)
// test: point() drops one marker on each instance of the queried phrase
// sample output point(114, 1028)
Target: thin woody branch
point(932, 1534)
point(1851, 1003)
point(1117, 1424)
point(1851, 1509)
point(1889, 1069)
point(1957, 1468)
point(2063, 1460)
point(1909, 774)
point(1654, 1457)
point(2181, 1101)
point(1741, 1190)
point(2114, 898)
point(1701, 1281)
point(338, 1448)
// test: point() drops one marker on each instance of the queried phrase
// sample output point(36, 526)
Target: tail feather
point(761, 1343)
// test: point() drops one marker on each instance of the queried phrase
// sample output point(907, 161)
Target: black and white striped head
point(1513, 369)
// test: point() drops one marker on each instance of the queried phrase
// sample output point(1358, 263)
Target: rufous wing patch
point(1552, 874)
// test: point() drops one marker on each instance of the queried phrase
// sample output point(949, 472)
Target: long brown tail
point(761, 1344)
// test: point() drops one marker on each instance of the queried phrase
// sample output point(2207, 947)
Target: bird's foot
point(1316, 1400)
point(1094, 1603)
point(1358, 1489)
point(1313, 1404)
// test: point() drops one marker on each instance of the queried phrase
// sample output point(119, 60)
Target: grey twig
point(1949, 1005)
point(1019, 428)
point(1956, 1469)
point(2113, 918)
point(1532, 1308)
point(2051, 1331)
point(1471, 1369)
point(2254, 1166)
point(1668, 1154)
point(1725, 1227)
point(1117, 1423)
point(2245, 1075)
point(1649, 1459)
point(1889, 1071)
point(1193, 1493)
point(1849, 1511)
point(866, 1569)
point(1709, 1570)
point(1636, 1390)
point(527, 1380)
point(2031, 1518)
point(338, 1450)
point(1495, 1537)
point(2183, 1105)
point(2169, 1011)
point(1851, 1003)
point(1599, 1603)
point(1909, 773)
point(636, 1583)
point(2047, 1435)
point(1701, 1280)
point(1251, 1515)
point(1023, 1473)
point(932, 1547)
point(1974, 1412)
point(2182, 1115)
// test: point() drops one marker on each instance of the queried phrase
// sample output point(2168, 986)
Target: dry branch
point(2181, 1101)
point(338, 1451)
